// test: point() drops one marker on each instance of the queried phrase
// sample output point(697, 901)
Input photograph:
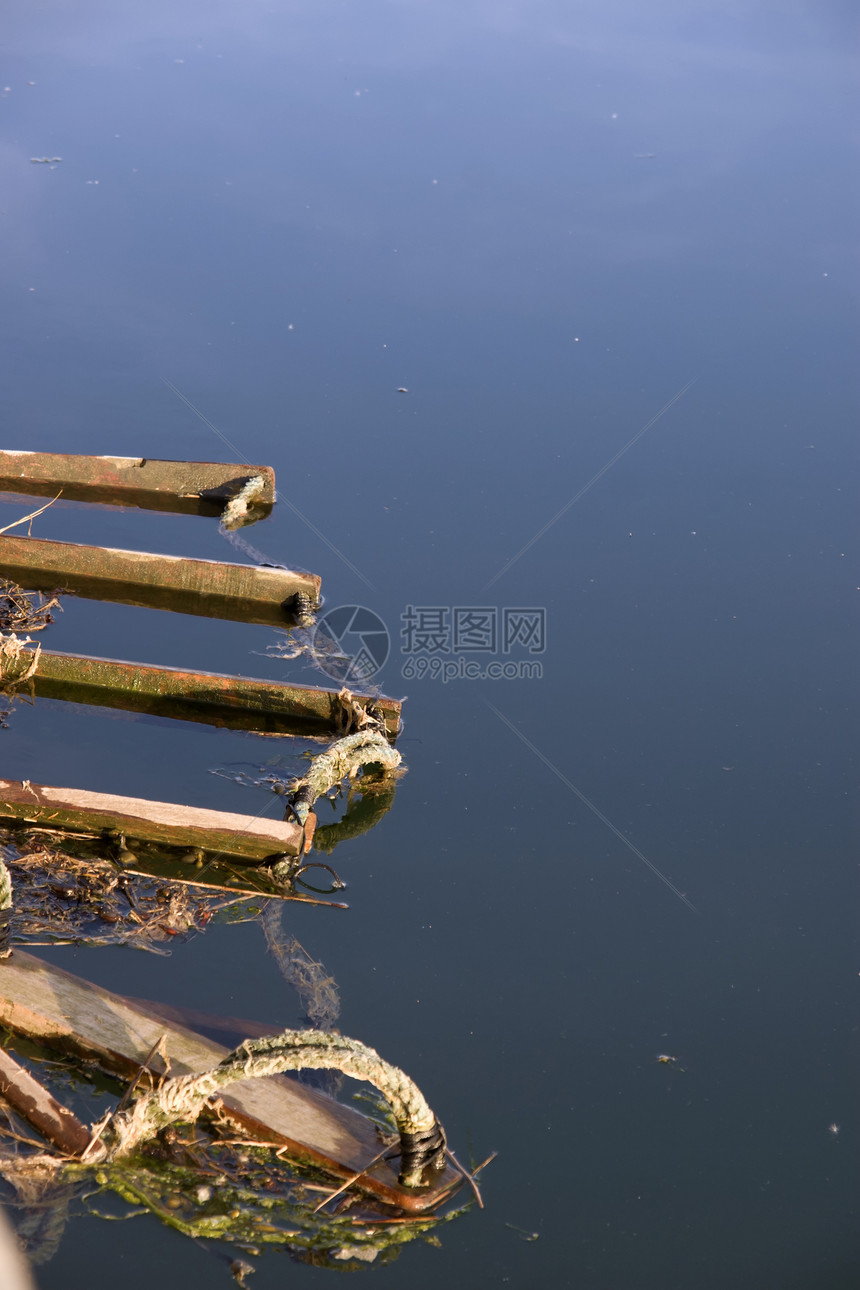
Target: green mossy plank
point(211, 588)
point(237, 702)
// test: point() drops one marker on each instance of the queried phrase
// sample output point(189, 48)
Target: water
point(290, 211)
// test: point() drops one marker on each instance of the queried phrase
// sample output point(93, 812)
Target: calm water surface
point(543, 221)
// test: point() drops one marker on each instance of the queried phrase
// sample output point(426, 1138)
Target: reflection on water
point(541, 221)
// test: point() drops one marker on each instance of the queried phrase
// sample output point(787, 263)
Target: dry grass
point(64, 899)
point(25, 611)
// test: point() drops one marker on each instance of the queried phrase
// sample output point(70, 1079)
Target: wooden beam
point(234, 1028)
point(187, 487)
point(39, 1108)
point(62, 1011)
point(238, 837)
point(237, 702)
point(212, 588)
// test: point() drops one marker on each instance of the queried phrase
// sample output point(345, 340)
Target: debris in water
point(63, 899)
point(25, 611)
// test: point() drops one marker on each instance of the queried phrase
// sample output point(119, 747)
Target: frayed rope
point(182, 1098)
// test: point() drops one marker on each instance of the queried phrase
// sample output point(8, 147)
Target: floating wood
point(39, 1108)
point(237, 702)
point(62, 1011)
point(211, 588)
point(187, 487)
point(238, 837)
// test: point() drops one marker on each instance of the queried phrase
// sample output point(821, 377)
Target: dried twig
point(31, 516)
point(27, 611)
point(470, 1178)
point(355, 1177)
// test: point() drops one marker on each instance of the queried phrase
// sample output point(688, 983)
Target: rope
point(182, 1098)
point(235, 513)
point(343, 759)
point(316, 988)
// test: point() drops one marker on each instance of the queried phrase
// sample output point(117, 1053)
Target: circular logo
point(351, 644)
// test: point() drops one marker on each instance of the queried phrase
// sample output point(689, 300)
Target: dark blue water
point(543, 221)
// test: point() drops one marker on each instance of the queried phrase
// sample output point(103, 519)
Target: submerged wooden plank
point(187, 487)
point(68, 1013)
point(39, 1108)
point(235, 1028)
point(239, 837)
point(211, 588)
point(237, 702)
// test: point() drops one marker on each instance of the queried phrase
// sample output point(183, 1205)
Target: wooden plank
point(211, 588)
point(239, 837)
point(65, 1012)
point(39, 1108)
point(234, 1028)
point(235, 702)
point(187, 487)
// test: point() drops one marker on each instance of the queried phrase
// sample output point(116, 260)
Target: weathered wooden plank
point(235, 1028)
point(236, 702)
point(239, 837)
point(187, 487)
point(39, 1108)
point(211, 588)
point(65, 1012)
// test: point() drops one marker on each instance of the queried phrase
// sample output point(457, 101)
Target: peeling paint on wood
point(240, 837)
point(211, 588)
point(40, 1108)
point(236, 702)
point(187, 487)
point(61, 1010)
